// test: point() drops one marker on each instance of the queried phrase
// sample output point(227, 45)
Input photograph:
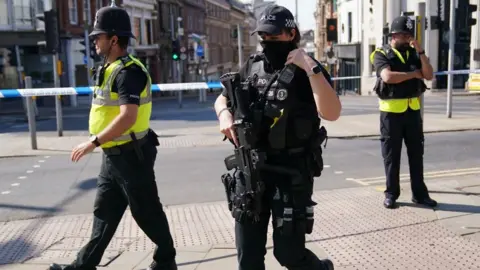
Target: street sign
point(85, 60)
point(183, 56)
point(183, 49)
point(200, 51)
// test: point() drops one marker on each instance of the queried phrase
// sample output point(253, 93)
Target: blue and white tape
point(85, 90)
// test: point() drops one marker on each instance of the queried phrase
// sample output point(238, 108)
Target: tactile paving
point(351, 225)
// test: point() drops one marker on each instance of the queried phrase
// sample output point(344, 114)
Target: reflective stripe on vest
point(105, 104)
point(396, 105)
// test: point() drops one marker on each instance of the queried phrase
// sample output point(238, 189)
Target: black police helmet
point(114, 21)
point(402, 25)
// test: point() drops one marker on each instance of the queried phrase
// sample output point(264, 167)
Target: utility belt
point(407, 89)
point(297, 205)
point(135, 144)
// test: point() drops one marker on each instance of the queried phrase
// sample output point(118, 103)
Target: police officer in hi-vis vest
point(401, 67)
point(119, 124)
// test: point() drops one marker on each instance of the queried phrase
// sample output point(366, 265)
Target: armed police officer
point(119, 124)
point(270, 111)
point(401, 67)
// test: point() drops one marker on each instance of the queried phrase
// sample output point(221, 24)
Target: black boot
point(155, 266)
point(55, 266)
point(327, 264)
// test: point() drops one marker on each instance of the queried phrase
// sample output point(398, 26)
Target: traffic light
point(470, 10)
point(52, 33)
point(93, 52)
point(175, 49)
point(332, 34)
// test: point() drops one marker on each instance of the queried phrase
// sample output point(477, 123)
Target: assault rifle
point(248, 112)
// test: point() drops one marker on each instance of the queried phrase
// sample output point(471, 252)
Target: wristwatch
point(422, 52)
point(94, 140)
point(315, 70)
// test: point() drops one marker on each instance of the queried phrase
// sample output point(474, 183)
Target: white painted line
point(5, 192)
point(30, 171)
point(350, 179)
point(36, 166)
point(41, 161)
point(47, 156)
point(22, 177)
point(338, 172)
point(15, 184)
point(326, 166)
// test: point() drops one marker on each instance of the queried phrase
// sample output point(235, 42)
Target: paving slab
point(351, 227)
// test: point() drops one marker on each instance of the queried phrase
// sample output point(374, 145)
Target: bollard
point(58, 100)
point(180, 96)
point(58, 113)
point(32, 128)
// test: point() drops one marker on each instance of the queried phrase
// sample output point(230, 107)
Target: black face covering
point(402, 47)
point(276, 52)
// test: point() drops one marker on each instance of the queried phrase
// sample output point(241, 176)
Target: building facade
point(325, 9)
point(219, 39)
point(143, 17)
point(239, 20)
point(168, 13)
point(192, 39)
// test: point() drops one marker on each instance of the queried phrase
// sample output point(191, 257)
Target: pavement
point(49, 199)
point(352, 228)
point(348, 126)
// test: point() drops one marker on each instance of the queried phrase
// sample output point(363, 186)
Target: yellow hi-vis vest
point(396, 105)
point(105, 105)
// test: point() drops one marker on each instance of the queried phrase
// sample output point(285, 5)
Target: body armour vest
point(407, 89)
point(290, 122)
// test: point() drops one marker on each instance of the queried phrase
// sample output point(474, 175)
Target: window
point(149, 32)
point(73, 11)
point(86, 12)
point(23, 12)
point(137, 30)
point(98, 4)
point(3, 18)
point(350, 30)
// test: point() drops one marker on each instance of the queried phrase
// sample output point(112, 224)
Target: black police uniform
point(126, 177)
point(290, 144)
point(398, 126)
point(297, 129)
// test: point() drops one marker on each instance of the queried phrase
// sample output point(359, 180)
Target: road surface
point(52, 185)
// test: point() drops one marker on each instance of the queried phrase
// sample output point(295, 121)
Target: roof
point(237, 4)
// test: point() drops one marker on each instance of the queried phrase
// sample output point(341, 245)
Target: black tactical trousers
point(394, 128)
point(125, 179)
point(289, 250)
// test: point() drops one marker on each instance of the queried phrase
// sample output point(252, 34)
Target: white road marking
point(30, 171)
point(36, 166)
point(5, 192)
point(15, 184)
point(426, 175)
point(22, 177)
point(41, 161)
point(326, 166)
point(338, 172)
point(47, 156)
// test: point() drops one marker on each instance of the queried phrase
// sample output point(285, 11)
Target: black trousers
point(394, 128)
point(289, 250)
point(125, 179)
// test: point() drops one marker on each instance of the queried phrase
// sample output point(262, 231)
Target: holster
point(317, 162)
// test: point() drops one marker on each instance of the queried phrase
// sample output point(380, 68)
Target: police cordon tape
point(440, 73)
point(85, 90)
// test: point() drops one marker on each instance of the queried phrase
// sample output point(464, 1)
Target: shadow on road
point(21, 248)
